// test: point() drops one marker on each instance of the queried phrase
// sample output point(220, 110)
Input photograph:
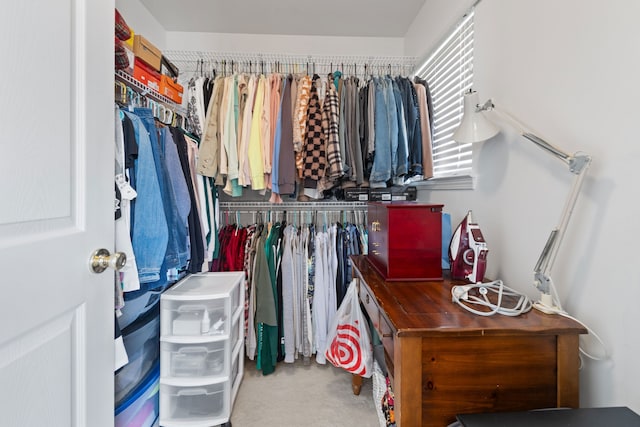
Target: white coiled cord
point(460, 294)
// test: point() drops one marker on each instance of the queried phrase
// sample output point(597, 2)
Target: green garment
point(266, 304)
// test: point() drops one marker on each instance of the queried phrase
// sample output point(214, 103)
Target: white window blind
point(449, 73)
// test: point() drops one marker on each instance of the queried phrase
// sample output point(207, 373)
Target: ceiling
point(348, 18)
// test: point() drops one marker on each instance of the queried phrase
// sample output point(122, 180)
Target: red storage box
point(405, 240)
point(171, 89)
point(146, 75)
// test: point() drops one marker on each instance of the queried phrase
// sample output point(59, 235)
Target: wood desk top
point(426, 309)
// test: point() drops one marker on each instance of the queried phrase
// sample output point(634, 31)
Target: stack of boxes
point(152, 69)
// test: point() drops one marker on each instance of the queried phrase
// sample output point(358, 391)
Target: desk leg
point(407, 382)
point(568, 386)
point(356, 384)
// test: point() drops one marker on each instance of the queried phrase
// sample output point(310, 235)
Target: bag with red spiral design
point(349, 343)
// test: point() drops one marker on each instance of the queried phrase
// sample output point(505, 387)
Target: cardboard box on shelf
point(146, 51)
point(171, 89)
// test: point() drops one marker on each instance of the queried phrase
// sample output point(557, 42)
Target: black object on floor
point(583, 417)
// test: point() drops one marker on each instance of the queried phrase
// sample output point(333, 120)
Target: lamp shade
point(474, 127)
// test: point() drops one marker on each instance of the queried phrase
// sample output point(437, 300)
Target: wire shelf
point(293, 206)
point(146, 91)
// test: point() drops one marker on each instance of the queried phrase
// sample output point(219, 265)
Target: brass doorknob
point(101, 260)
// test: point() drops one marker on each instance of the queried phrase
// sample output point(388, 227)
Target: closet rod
point(295, 206)
point(191, 62)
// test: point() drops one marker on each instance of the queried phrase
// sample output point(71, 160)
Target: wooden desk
point(444, 360)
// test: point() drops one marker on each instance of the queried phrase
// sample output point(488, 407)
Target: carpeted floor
point(302, 395)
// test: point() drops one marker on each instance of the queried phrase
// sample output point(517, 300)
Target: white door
point(56, 193)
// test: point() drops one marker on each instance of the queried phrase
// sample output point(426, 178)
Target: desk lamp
point(476, 127)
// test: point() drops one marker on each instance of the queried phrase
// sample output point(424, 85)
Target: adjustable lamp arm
point(578, 165)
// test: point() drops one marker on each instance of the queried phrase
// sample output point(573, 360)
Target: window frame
point(448, 71)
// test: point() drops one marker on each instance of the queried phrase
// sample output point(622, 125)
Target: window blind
point(449, 73)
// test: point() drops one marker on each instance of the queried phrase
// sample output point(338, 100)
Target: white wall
point(281, 44)
point(568, 70)
point(433, 21)
point(142, 22)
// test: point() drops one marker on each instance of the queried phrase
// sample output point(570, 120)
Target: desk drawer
point(369, 303)
point(387, 336)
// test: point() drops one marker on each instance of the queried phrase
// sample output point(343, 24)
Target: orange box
point(146, 75)
point(146, 51)
point(171, 89)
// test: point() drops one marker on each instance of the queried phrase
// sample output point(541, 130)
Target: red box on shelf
point(146, 75)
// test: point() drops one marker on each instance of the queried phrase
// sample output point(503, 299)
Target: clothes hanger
point(121, 92)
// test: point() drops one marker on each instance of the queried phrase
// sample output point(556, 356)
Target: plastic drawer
point(193, 360)
point(235, 298)
point(191, 404)
point(194, 318)
point(236, 332)
point(234, 371)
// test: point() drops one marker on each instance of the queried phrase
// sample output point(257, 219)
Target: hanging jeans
point(150, 234)
point(414, 132)
point(176, 254)
point(401, 154)
point(381, 170)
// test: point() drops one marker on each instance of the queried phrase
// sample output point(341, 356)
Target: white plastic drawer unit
point(194, 360)
point(201, 358)
point(189, 405)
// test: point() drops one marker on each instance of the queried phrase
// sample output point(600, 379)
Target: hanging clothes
point(315, 159)
point(196, 242)
point(195, 106)
point(425, 126)
point(150, 234)
point(128, 276)
point(330, 128)
point(286, 153)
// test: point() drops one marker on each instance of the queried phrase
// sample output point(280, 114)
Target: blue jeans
point(150, 234)
point(392, 117)
point(172, 187)
point(414, 132)
point(182, 201)
point(381, 170)
point(401, 154)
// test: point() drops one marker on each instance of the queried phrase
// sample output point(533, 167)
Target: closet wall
point(569, 71)
point(142, 22)
point(139, 18)
point(292, 45)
